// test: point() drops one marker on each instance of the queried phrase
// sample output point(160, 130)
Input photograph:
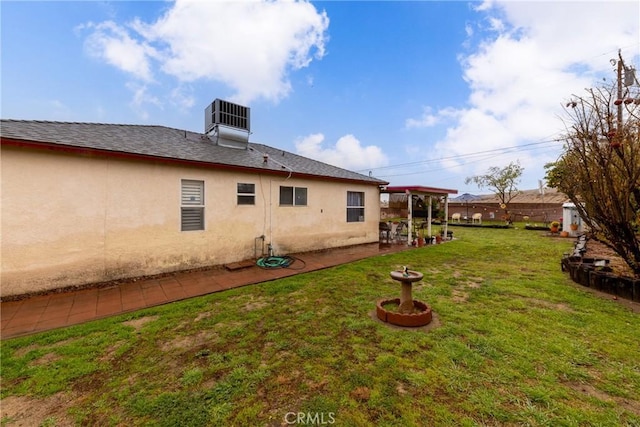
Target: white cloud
point(532, 58)
point(426, 120)
point(348, 152)
point(429, 119)
point(142, 97)
point(112, 43)
point(182, 96)
point(251, 46)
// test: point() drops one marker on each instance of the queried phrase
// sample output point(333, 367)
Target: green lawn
point(515, 343)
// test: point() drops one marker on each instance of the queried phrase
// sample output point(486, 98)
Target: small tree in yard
point(502, 181)
point(599, 170)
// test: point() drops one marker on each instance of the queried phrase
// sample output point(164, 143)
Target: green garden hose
point(277, 262)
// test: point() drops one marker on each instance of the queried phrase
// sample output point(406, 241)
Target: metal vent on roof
point(228, 114)
point(229, 122)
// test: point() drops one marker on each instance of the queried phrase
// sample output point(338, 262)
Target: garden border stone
point(595, 273)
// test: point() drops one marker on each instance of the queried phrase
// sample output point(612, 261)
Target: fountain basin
point(412, 276)
point(421, 314)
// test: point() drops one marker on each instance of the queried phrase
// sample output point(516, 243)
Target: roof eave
point(86, 151)
point(419, 189)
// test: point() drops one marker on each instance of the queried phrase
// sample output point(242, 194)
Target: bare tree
point(599, 170)
point(503, 182)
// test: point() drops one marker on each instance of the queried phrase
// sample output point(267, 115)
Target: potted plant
point(574, 226)
point(555, 226)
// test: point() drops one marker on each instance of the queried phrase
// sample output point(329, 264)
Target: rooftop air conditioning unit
point(229, 123)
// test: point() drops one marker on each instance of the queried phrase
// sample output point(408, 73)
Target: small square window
point(301, 196)
point(246, 194)
point(286, 196)
point(293, 196)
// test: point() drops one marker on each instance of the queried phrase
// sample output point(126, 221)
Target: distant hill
point(466, 197)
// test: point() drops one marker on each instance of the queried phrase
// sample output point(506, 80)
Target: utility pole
point(617, 135)
point(619, 99)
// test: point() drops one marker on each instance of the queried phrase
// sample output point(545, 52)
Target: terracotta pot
point(574, 227)
point(564, 234)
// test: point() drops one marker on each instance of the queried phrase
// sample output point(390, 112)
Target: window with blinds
point(355, 206)
point(192, 205)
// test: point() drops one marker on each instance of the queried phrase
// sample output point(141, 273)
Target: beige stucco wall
point(69, 220)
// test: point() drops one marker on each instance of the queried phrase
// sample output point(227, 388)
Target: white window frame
point(351, 207)
point(192, 205)
point(296, 195)
point(245, 195)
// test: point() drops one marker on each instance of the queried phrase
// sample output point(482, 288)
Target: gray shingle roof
point(174, 144)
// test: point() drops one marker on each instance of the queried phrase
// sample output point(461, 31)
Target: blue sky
point(421, 92)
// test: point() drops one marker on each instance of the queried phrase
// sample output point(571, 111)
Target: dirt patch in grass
point(186, 342)
point(548, 304)
point(137, 324)
point(23, 411)
point(21, 352)
point(31, 347)
point(256, 304)
point(111, 351)
point(46, 359)
point(202, 316)
point(361, 394)
point(459, 296)
point(630, 405)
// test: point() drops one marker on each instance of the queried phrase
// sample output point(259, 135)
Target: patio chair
point(400, 231)
point(385, 232)
point(394, 230)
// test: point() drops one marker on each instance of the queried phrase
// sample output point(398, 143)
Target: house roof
point(418, 189)
point(160, 143)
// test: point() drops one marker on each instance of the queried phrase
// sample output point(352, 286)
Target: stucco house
point(91, 202)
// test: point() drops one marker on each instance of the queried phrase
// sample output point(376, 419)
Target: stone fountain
point(405, 311)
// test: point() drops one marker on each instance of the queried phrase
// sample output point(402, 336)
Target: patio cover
point(418, 190)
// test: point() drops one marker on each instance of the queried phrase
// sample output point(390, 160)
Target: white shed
point(571, 216)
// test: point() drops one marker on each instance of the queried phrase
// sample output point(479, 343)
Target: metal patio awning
point(419, 190)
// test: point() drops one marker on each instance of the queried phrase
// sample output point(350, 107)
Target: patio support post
point(410, 218)
point(429, 216)
point(446, 216)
